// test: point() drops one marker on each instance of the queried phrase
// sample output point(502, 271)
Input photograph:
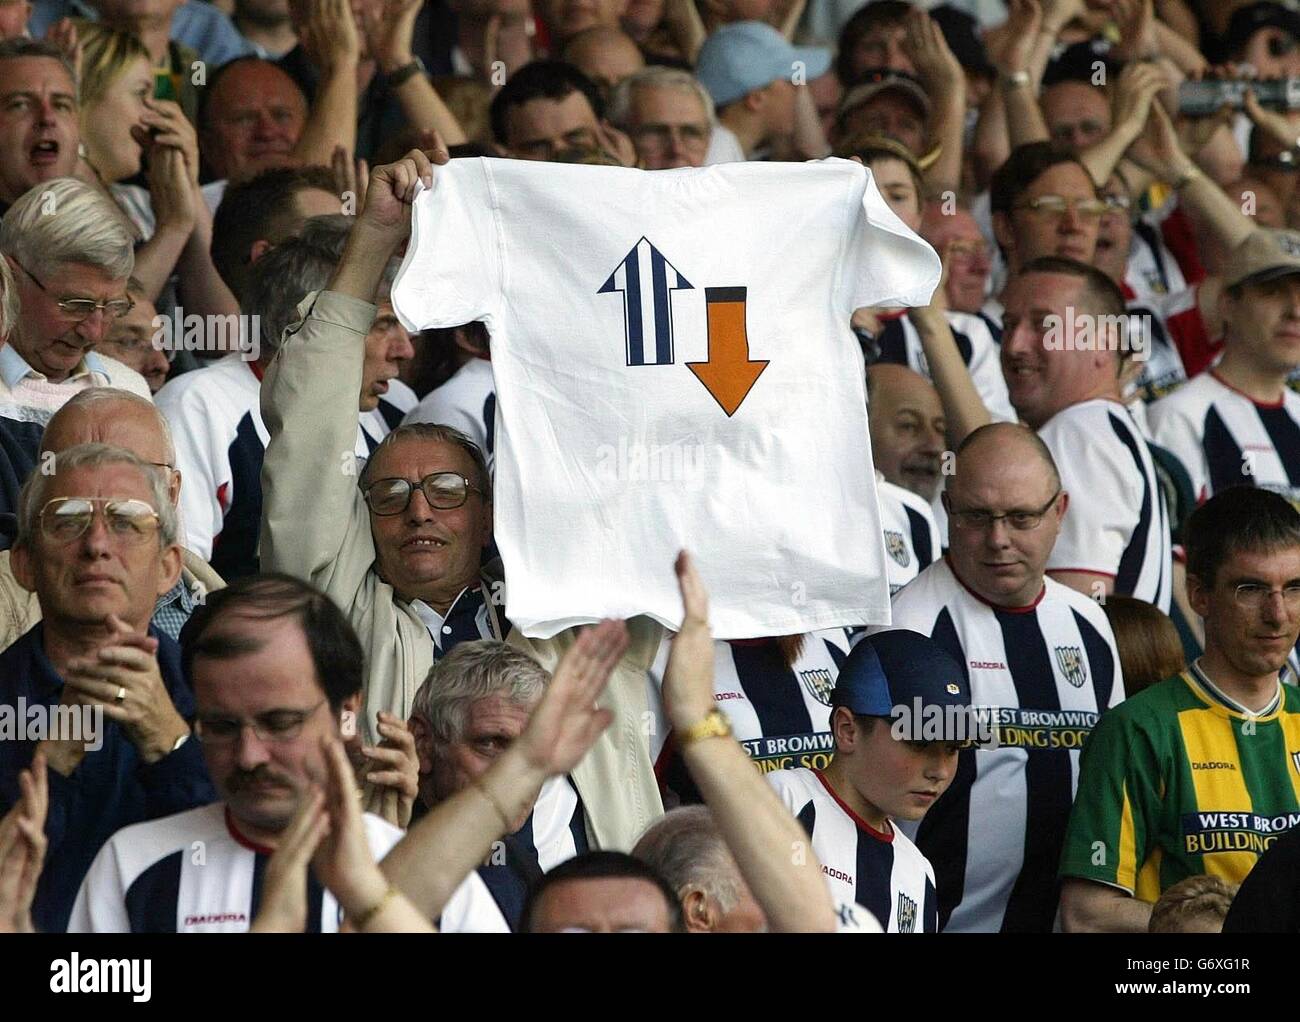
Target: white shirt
point(724, 147)
point(1116, 523)
point(619, 442)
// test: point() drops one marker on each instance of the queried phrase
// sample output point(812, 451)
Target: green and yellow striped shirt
point(1177, 782)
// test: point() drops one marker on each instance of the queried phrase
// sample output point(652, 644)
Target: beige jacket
point(316, 526)
point(19, 609)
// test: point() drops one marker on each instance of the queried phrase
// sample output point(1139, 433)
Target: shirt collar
point(1218, 694)
point(14, 368)
point(179, 593)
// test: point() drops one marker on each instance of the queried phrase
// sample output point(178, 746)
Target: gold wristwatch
point(714, 725)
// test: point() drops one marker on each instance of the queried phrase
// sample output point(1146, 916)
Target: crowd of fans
point(246, 529)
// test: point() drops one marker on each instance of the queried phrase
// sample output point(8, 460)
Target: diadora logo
point(1214, 764)
point(646, 280)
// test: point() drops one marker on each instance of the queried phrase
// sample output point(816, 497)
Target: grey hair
point(99, 395)
point(20, 47)
point(9, 304)
point(619, 109)
point(472, 671)
point(433, 432)
point(67, 221)
point(330, 231)
point(687, 848)
point(279, 281)
point(33, 495)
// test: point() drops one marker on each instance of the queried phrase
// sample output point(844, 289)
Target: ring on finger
point(121, 695)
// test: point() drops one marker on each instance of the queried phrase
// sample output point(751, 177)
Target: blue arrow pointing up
point(645, 267)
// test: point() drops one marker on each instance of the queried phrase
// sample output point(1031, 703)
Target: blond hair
point(106, 53)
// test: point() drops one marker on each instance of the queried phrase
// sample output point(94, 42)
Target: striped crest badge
point(1070, 661)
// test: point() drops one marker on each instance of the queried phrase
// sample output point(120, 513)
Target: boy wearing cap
point(747, 67)
point(900, 715)
point(1238, 423)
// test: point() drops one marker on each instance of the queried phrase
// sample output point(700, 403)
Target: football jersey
point(1116, 523)
point(1225, 438)
point(467, 401)
point(668, 375)
point(885, 873)
point(193, 872)
point(898, 342)
point(1040, 676)
point(1179, 781)
point(780, 714)
point(216, 425)
point(911, 535)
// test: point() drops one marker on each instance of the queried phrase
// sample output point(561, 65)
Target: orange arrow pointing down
point(729, 374)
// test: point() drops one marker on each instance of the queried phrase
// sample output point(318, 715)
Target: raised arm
point(329, 36)
point(309, 403)
point(390, 31)
point(759, 830)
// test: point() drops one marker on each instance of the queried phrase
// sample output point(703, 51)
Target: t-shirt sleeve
point(452, 272)
point(1112, 825)
point(884, 262)
point(1101, 516)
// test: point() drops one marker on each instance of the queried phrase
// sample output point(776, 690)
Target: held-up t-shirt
point(674, 368)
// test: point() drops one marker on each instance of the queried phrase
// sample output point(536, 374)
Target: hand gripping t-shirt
point(674, 369)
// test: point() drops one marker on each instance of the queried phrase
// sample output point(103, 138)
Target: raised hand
point(391, 771)
point(284, 897)
point(22, 848)
point(566, 722)
point(389, 29)
point(328, 33)
point(343, 860)
point(392, 188)
point(688, 678)
point(926, 47)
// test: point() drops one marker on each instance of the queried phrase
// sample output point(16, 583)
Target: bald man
point(605, 55)
point(104, 415)
point(1042, 664)
point(908, 428)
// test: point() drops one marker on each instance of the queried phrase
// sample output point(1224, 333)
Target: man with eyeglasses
point(97, 544)
point(1065, 346)
point(276, 669)
point(121, 419)
point(1041, 663)
point(1044, 203)
point(1198, 774)
point(400, 548)
point(70, 252)
point(668, 115)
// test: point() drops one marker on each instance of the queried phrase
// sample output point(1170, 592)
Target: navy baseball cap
point(740, 58)
point(895, 669)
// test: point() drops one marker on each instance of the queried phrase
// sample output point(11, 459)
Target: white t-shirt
point(625, 431)
point(724, 147)
point(467, 401)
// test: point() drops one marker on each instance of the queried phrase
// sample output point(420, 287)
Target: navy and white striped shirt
point(779, 713)
point(883, 872)
point(194, 872)
point(1041, 675)
point(1116, 524)
point(911, 534)
point(1224, 438)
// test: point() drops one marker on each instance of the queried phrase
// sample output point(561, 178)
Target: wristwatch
point(1013, 79)
point(403, 74)
point(714, 725)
